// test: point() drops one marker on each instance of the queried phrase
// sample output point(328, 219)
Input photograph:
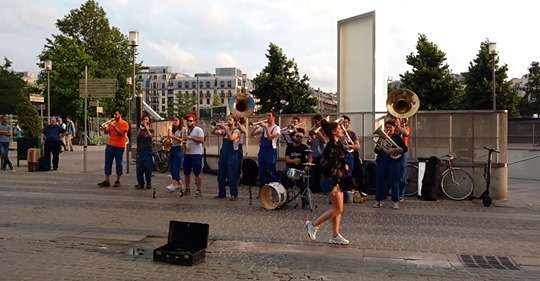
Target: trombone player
point(293, 128)
point(350, 157)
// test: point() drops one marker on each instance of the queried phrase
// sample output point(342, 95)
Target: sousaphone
point(402, 103)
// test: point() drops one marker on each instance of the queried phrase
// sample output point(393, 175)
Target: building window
point(200, 101)
point(222, 100)
point(164, 76)
point(186, 84)
point(180, 85)
point(229, 84)
point(222, 84)
point(207, 101)
point(163, 100)
point(207, 84)
point(162, 85)
point(162, 108)
point(194, 84)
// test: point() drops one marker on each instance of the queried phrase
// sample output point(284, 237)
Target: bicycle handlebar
point(492, 150)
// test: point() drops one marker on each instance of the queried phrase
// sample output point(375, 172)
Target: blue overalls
point(267, 160)
point(388, 173)
point(228, 168)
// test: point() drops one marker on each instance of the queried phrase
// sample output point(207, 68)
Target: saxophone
point(183, 144)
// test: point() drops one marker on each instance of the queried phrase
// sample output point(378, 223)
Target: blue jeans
point(388, 176)
point(144, 167)
point(175, 161)
point(4, 150)
point(267, 166)
point(114, 153)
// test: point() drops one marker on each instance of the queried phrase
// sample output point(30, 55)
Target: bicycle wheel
point(412, 180)
point(457, 184)
point(162, 163)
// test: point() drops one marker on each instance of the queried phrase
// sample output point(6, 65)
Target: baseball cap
point(192, 116)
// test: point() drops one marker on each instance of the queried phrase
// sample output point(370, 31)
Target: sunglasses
point(299, 137)
point(190, 120)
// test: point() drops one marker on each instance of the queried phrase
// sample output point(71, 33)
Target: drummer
point(296, 156)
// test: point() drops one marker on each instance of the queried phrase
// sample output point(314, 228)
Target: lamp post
point(492, 47)
point(134, 42)
point(48, 68)
point(198, 98)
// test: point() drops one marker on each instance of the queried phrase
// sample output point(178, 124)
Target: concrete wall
point(523, 164)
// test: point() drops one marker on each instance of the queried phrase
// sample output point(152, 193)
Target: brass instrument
point(383, 141)
point(183, 144)
point(213, 124)
point(291, 128)
point(257, 124)
point(316, 129)
point(346, 138)
point(105, 124)
point(402, 103)
point(167, 144)
point(241, 105)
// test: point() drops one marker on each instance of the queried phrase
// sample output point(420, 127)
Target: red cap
point(192, 116)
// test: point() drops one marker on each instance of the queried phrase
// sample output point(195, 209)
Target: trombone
point(213, 124)
point(105, 124)
point(257, 124)
point(346, 138)
point(292, 128)
point(316, 129)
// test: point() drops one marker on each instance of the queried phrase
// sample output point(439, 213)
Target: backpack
point(44, 164)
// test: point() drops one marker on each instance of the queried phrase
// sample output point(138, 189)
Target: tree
point(479, 84)
point(28, 117)
point(530, 104)
point(183, 105)
point(431, 78)
point(280, 88)
point(217, 100)
point(86, 39)
point(11, 85)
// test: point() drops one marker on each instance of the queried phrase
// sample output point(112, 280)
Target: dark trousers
point(144, 167)
point(315, 180)
point(53, 147)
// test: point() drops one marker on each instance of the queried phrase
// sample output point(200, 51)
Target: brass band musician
point(355, 146)
point(269, 132)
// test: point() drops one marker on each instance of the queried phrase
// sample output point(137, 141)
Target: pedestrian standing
point(53, 134)
point(5, 134)
point(144, 164)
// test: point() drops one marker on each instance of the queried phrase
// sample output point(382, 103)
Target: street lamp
point(134, 42)
point(493, 53)
point(48, 68)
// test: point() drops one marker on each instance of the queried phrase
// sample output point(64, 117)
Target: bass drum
point(272, 195)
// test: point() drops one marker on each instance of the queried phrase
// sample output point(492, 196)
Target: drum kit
point(274, 195)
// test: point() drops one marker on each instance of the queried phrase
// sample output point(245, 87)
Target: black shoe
point(148, 186)
point(104, 184)
point(138, 186)
point(234, 198)
point(116, 183)
point(219, 197)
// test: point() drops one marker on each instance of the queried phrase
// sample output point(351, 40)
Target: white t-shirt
point(272, 130)
point(194, 147)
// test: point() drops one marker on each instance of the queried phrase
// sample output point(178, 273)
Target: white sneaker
point(338, 240)
point(311, 230)
point(377, 205)
point(172, 187)
point(396, 206)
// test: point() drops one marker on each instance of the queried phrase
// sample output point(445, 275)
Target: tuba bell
point(384, 142)
point(241, 105)
point(402, 103)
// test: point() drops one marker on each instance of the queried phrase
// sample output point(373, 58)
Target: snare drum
point(272, 195)
point(295, 174)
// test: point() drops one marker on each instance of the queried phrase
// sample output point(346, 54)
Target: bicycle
point(160, 157)
point(456, 183)
point(486, 199)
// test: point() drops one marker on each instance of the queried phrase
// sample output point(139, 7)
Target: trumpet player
point(175, 134)
point(267, 157)
point(144, 164)
point(193, 155)
point(354, 146)
point(228, 157)
point(294, 127)
point(388, 173)
point(117, 131)
point(316, 140)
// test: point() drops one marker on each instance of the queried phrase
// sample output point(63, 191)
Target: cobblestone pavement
point(60, 226)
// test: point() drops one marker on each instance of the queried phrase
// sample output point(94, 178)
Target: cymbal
point(308, 164)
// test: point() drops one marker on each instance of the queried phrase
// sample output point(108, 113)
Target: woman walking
point(333, 167)
point(176, 135)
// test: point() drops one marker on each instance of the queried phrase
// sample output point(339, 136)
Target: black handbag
point(348, 183)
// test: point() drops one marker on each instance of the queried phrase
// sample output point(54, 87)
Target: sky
point(195, 36)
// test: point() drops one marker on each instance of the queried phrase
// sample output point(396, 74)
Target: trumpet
point(384, 142)
point(105, 124)
point(213, 124)
point(257, 124)
point(291, 128)
point(346, 138)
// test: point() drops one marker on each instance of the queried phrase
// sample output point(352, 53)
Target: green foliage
point(217, 100)
point(530, 104)
point(28, 117)
point(280, 88)
point(183, 105)
point(431, 78)
point(86, 39)
point(479, 84)
point(11, 85)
